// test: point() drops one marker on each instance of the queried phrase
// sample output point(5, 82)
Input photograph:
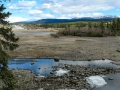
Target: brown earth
point(66, 47)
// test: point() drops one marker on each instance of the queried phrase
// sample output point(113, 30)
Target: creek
point(43, 67)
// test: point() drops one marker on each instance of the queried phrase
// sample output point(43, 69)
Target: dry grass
point(67, 47)
point(83, 32)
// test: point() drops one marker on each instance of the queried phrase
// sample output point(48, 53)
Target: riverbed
point(44, 67)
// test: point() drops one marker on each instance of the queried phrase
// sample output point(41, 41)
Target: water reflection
point(44, 66)
point(35, 33)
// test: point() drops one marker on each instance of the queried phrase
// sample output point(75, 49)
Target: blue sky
point(24, 10)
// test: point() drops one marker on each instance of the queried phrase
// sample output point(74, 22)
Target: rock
point(118, 50)
point(19, 76)
point(83, 89)
point(32, 63)
point(103, 58)
point(40, 89)
point(82, 74)
point(111, 78)
point(89, 59)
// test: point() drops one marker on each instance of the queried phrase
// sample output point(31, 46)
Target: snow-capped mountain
point(101, 18)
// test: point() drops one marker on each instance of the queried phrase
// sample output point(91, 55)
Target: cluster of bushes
point(84, 31)
point(55, 35)
point(90, 29)
point(93, 29)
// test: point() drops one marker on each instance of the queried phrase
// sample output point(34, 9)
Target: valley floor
point(66, 47)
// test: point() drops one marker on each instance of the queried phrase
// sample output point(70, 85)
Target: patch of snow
point(17, 27)
point(61, 72)
point(96, 81)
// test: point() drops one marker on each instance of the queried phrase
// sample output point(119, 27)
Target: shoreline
point(69, 79)
point(113, 61)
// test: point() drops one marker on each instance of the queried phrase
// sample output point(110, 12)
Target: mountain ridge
point(48, 21)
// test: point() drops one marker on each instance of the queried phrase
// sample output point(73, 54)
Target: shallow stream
point(44, 67)
point(35, 33)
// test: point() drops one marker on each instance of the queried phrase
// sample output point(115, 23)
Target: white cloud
point(35, 12)
point(63, 17)
point(27, 3)
point(41, 16)
point(46, 6)
point(79, 15)
point(74, 8)
point(97, 14)
point(88, 2)
point(16, 19)
point(117, 3)
point(38, 14)
point(82, 8)
point(22, 5)
point(62, 8)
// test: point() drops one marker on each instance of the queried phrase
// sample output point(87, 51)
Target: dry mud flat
point(68, 47)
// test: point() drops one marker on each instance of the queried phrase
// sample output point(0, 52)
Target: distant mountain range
point(48, 21)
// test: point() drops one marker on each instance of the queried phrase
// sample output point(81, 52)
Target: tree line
point(92, 29)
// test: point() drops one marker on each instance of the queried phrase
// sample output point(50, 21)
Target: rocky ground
point(75, 79)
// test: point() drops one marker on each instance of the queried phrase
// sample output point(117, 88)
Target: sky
point(30, 10)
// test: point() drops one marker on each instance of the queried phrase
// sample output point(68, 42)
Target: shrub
point(55, 35)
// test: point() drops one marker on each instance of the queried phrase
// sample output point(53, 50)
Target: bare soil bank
point(69, 47)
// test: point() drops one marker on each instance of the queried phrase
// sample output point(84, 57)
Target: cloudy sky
point(23, 10)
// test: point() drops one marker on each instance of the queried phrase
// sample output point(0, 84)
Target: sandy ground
point(68, 47)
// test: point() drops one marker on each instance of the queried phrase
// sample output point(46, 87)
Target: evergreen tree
point(102, 27)
point(95, 25)
point(8, 41)
point(113, 27)
point(107, 25)
point(118, 26)
point(110, 28)
point(89, 25)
